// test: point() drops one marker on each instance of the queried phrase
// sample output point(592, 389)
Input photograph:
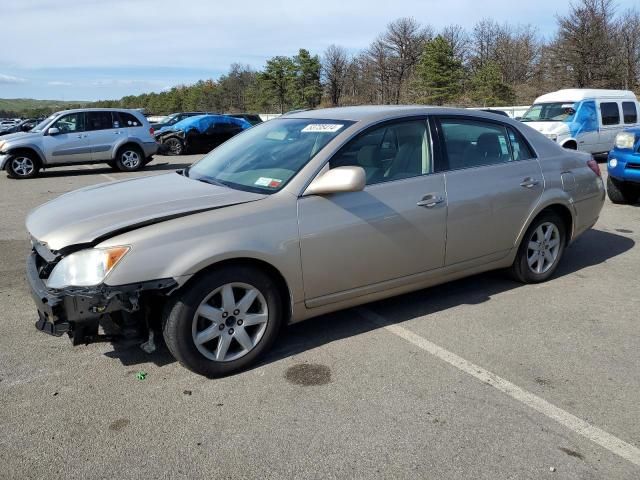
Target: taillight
point(151, 131)
point(593, 165)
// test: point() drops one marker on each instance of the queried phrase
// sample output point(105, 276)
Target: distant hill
point(29, 106)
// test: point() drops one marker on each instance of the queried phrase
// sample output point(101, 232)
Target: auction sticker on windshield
point(322, 127)
point(268, 182)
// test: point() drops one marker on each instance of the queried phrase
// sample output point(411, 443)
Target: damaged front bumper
point(77, 311)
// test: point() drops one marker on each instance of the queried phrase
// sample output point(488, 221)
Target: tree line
point(596, 45)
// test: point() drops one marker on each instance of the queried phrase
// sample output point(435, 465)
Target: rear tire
point(620, 192)
point(209, 329)
point(129, 159)
point(541, 249)
point(23, 165)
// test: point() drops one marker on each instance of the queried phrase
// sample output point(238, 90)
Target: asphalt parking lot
point(482, 378)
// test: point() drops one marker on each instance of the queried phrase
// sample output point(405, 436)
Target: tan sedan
point(303, 215)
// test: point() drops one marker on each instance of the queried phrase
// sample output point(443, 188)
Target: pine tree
point(439, 73)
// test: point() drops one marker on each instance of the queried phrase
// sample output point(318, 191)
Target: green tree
point(439, 73)
point(308, 89)
point(278, 82)
point(487, 87)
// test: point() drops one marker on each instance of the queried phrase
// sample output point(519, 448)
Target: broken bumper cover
point(69, 310)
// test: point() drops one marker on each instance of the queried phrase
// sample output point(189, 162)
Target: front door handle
point(430, 201)
point(529, 182)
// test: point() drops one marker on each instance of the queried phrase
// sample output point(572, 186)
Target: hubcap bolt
point(225, 314)
point(221, 327)
point(236, 312)
point(239, 322)
point(231, 331)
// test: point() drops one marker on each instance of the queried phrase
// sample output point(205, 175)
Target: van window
point(610, 113)
point(629, 112)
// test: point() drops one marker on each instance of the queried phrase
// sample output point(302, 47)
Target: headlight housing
point(86, 268)
point(625, 140)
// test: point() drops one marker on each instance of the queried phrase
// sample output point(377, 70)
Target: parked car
point(174, 118)
point(121, 138)
point(497, 112)
point(583, 119)
point(252, 118)
point(199, 134)
point(303, 215)
point(623, 165)
point(21, 126)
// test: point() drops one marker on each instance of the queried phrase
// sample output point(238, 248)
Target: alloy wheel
point(130, 159)
point(543, 248)
point(230, 322)
point(175, 147)
point(22, 166)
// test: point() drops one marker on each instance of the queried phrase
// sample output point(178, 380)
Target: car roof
point(373, 113)
point(577, 94)
point(75, 110)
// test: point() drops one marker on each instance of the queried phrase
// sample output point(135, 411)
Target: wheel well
point(270, 270)
point(570, 144)
point(24, 150)
point(129, 145)
point(565, 214)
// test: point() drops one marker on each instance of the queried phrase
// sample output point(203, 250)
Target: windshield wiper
point(210, 181)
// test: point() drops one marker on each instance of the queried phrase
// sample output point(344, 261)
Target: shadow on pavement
point(152, 167)
point(592, 248)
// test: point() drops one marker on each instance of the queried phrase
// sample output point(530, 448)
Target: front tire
point(224, 321)
point(541, 249)
point(23, 166)
point(174, 146)
point(621, 193)
point(129, 159)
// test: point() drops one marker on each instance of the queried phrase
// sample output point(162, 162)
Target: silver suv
point(122, 138)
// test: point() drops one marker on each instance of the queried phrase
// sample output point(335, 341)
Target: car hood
point(19, 136)
point(94, 213)
point(549, 128)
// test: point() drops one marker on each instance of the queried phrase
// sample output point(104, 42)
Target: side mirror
point(53, 131)
point(340, 179)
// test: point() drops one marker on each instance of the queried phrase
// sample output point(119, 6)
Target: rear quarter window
point(128, 120)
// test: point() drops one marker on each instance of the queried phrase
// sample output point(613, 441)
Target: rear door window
point(100, 120)
point(610, 113)
point(473, 143)
point(629, 112)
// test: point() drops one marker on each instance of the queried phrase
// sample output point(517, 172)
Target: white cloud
point(57, 83)
point(10, 79)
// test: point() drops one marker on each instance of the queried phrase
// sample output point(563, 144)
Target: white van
point(584, 119)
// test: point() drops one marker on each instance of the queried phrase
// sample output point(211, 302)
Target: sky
point(106, 49)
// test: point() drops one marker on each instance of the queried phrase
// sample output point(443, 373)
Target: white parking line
point(105, 175)
point(595, 434)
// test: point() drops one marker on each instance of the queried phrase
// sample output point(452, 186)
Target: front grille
point(633, 166)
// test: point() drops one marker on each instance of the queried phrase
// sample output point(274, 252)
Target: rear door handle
point(430, 200)
point(529, 182)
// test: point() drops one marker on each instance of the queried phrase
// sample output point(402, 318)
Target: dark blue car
point(623, 165)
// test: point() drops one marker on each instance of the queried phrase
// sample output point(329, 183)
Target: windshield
point(550, 112)
point(43, 124)
point(264, 158)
